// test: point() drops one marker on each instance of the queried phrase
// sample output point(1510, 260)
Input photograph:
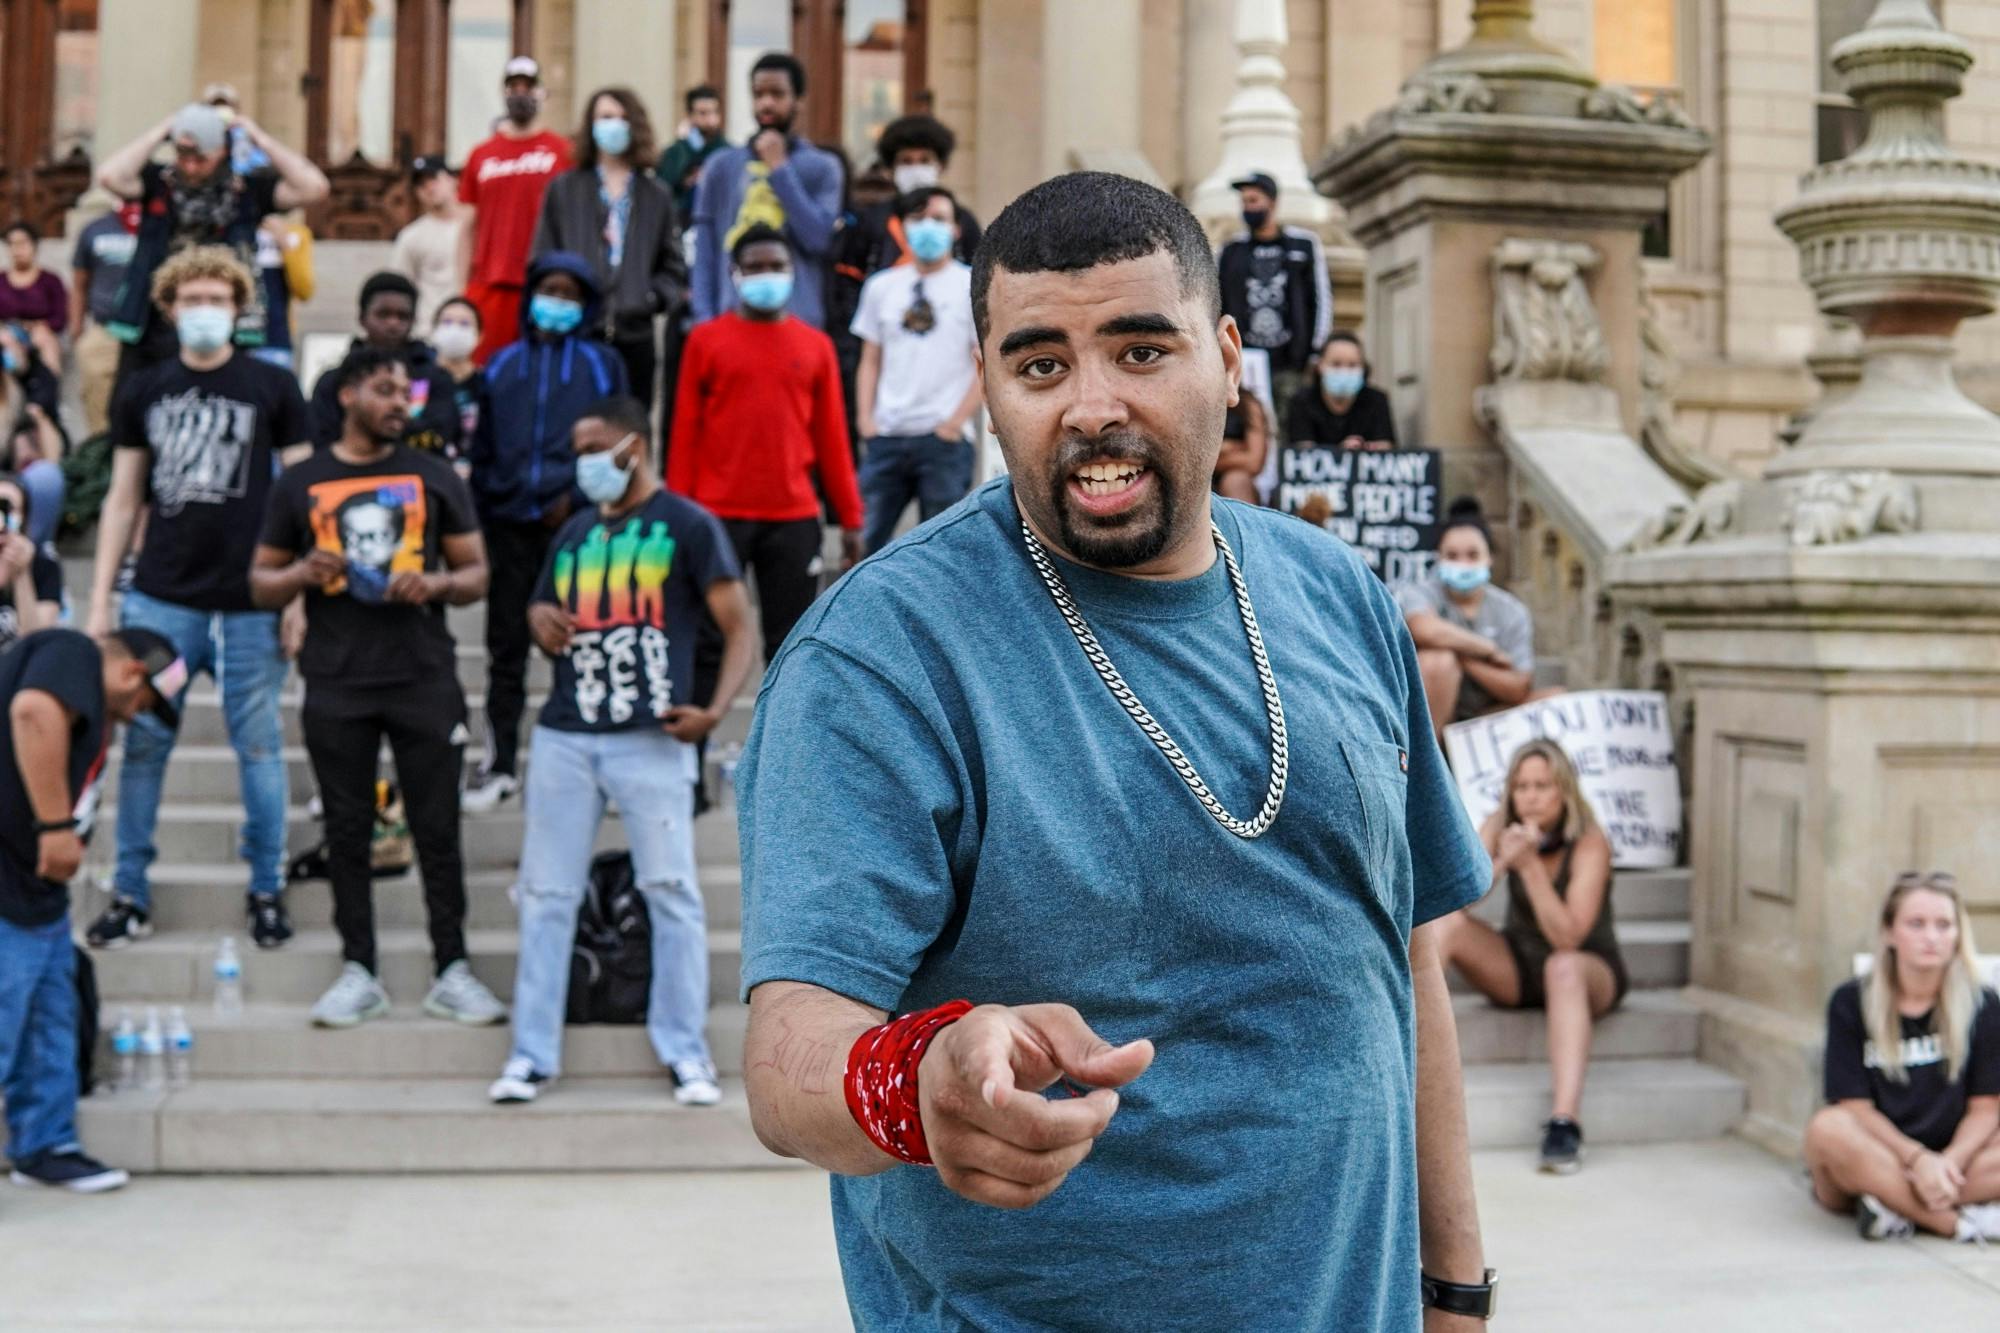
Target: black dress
point(1531, 948)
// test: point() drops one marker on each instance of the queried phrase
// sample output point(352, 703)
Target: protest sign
point(1622, 744)
point(1384, 502)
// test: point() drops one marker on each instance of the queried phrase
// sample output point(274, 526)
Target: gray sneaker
point(463, 998)
point(354, 997)
point(694, 1083)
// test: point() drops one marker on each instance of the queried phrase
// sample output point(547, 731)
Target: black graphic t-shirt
point(636, 587)
point(214, 437)
point(1308, 420)
point(382, 519)
point(1926, 1108)
point(67, 665)
point(45, 572)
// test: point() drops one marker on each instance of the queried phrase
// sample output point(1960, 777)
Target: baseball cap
point(203, 126)
point(1258, 180)
point(522, 67)
point(426, 167)
point(165, 670)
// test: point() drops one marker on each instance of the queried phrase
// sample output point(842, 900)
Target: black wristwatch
point(1478, 1301)
point(54, 825)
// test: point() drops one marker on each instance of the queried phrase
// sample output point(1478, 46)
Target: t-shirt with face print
point(635, 587)
point(382, 519)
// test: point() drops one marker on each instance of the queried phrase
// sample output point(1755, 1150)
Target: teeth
point(1101, 478)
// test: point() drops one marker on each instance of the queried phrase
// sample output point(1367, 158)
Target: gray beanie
point(203, 125)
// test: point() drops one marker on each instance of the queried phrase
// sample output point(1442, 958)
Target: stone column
point(1260, 127)
point(147, 55)
point(1091, 89)
point(1837, 621)
point(629, 42)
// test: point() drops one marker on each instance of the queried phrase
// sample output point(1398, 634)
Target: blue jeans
point(240, 649)
point(650, 776)
point(896, 469)
point(43, 481)
point(38, 1036)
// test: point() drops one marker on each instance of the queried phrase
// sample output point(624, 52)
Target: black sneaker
point(269, 926)
point(1562, 1146)
point(69, 1170)
point(122, 922)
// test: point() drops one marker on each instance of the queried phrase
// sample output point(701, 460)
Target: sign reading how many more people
point(1623, 747)
point(1382, 502)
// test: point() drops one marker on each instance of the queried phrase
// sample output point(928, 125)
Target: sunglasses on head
point(1927, 879)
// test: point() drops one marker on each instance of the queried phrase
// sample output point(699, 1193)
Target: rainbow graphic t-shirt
point(634, 587)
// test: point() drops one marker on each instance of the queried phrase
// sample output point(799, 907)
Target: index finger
point(981, 1091)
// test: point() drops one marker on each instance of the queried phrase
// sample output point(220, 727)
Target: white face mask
point(915, 176)
point(454, 342)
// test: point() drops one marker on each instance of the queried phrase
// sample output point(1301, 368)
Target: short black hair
point(394, 283)
point(22, 225)
point(1465, 512)
point(786, 62)
point(916, 201)
point(1085, 218)
point(702, 92)
point(753, 234)
point(915, 132)
point(364, 361)
point(461, 303)
point(623, 411)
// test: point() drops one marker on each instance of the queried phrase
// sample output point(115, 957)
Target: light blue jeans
point(650, 777)
point(38, 1036)
point(240, 649)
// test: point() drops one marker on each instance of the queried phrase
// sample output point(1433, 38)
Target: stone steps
point(1650, 1024)
point(178, 969)
point(1624, 1101)
point(428, 1124)
point(1638, 895)
point(207, 900)
point(1655, 952)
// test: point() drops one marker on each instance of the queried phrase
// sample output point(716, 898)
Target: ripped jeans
point(649, 776)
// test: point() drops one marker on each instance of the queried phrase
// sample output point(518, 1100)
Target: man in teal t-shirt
point(947, 796)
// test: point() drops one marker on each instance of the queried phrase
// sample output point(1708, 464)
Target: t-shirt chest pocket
point(1381, 774)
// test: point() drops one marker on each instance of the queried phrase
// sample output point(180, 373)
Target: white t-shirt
point(924, 375)
point(426, 252)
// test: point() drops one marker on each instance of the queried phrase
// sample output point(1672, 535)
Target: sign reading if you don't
point(1622, 744)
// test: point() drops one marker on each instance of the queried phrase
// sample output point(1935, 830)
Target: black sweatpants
point(425, 724)
point(781, 556)
point(642, 367)
point(514, 554)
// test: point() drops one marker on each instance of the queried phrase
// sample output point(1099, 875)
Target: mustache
point(1077, 451)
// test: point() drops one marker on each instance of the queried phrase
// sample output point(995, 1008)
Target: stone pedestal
point(1501, 139)
point(1837, 621)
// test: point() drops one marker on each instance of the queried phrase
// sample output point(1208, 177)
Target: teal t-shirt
point(940, 799)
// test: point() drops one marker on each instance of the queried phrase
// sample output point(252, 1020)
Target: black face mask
point(1255, 218)
point(521, 108)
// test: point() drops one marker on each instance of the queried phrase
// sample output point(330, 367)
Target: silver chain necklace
point(1101, 660)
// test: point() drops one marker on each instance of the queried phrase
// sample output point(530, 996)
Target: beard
point(1135, 537)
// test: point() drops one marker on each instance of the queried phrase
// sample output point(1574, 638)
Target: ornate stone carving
point(1833, 507)
point(1708, 515)
point(1544, 325)
point(1659, 369)
point(1611, 101)
point(1446, 94)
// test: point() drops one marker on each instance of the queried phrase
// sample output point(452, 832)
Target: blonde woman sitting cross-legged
point(1907, 1138)
point(1558, 950)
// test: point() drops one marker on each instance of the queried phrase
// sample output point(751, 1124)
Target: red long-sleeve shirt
point(758, 411)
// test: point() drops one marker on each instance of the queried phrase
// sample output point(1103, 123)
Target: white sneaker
point(463, 998)
point(354, 997)
point(694, 1083)
point(1874, 1220)
point(1979, 1222)
point(482, 796)
point(518, 1082)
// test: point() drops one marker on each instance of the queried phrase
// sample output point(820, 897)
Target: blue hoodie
point(535, 391)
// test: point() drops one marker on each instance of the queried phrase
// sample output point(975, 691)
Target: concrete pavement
point(1715, 1236)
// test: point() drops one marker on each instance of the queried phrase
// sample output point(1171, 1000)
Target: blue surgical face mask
point(929, 238)
point(600, 478)
point(12, 360)
point(765, 291)
point(555, 314)
point(1341, 381)
point(694, 137)
point(204, 328)
point(611, 136)
point(1464, 578)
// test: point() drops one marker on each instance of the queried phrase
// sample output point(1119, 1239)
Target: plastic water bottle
point(152, 1052)
point(228, 980)
point(726, 763)
point(125, 1053)
point(180, 1048)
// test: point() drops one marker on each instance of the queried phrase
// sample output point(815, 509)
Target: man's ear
point(1231, 339)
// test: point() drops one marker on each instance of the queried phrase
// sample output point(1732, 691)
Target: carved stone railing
point(1582, 489)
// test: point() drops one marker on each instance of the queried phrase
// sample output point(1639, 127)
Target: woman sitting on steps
point(1558, 950)
point(1907, 1138)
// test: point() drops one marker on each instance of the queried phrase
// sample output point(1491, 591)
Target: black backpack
point(86, 1022)
point(611, 964)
